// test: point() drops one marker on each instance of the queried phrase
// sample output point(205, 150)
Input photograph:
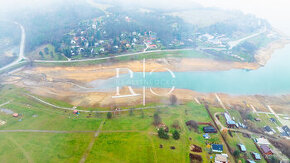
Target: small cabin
point(256, 156)
point(217, 148)
point(242, 147)
point(209, 129)
point(15, 115)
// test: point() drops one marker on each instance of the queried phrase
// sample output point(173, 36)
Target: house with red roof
point(266, 150)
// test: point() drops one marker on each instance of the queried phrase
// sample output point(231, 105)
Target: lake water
point(273, 79)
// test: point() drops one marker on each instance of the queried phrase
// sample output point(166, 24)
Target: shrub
point(162, 134)
point(236, 153)
point(109, 115)
point(175, 135)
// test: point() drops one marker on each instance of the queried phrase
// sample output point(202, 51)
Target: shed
point(209, 129)
point(256, 156)
point(257, 119)
point(287, 130)
point(268, 129)
point(15, 114)
point(273, 120)
point(242, 147)
point(217, 148)
point(231, 124)
point(206, 136)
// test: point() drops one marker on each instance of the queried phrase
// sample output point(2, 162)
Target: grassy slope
point(140, 142)
point(43, 147)
point(238, 138)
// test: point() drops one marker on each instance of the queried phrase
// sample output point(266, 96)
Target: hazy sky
point(277, 12)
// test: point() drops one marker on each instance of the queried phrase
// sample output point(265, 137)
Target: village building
point(257, 119)
point(209, 129)
point(242, 148)
point(15, 115)
point(273, 120)
point(256, 156)
point(286, 131)
point(102, 49)
point(266, 150)
point(221, 158)
point(230, 123)
point(217, 148)
point(261, 141)
point(269, 130)
point(94, 26)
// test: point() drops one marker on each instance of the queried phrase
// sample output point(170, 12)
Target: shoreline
point(265, 54)
point(57, 82)
point(108, 70)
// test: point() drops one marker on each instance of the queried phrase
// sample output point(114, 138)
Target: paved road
point(21, 51)
point(104, 58)
point(236, 42)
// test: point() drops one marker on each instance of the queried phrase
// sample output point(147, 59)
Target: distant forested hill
point(46, 24)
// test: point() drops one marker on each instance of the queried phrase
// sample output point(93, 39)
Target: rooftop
point(257, 156)
point(265, 148)
point(267, 128)
point(262, 141)
point(242, 147)
point(221, 158)
point(217, 147)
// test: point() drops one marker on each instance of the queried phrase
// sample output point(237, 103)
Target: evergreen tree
point(162, 134)
point(175, 135)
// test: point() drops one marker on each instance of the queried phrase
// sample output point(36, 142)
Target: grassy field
point(51, 55)
point(127, 137)
point(43, 147)
point(238, 138)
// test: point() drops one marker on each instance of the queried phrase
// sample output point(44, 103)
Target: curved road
point(21, 50)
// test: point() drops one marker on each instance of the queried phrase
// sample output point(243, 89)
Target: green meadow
point(127, 137)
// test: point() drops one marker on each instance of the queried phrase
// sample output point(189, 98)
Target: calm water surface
point(272, 79)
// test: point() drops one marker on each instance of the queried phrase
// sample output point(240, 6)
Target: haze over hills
point(49, 25)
